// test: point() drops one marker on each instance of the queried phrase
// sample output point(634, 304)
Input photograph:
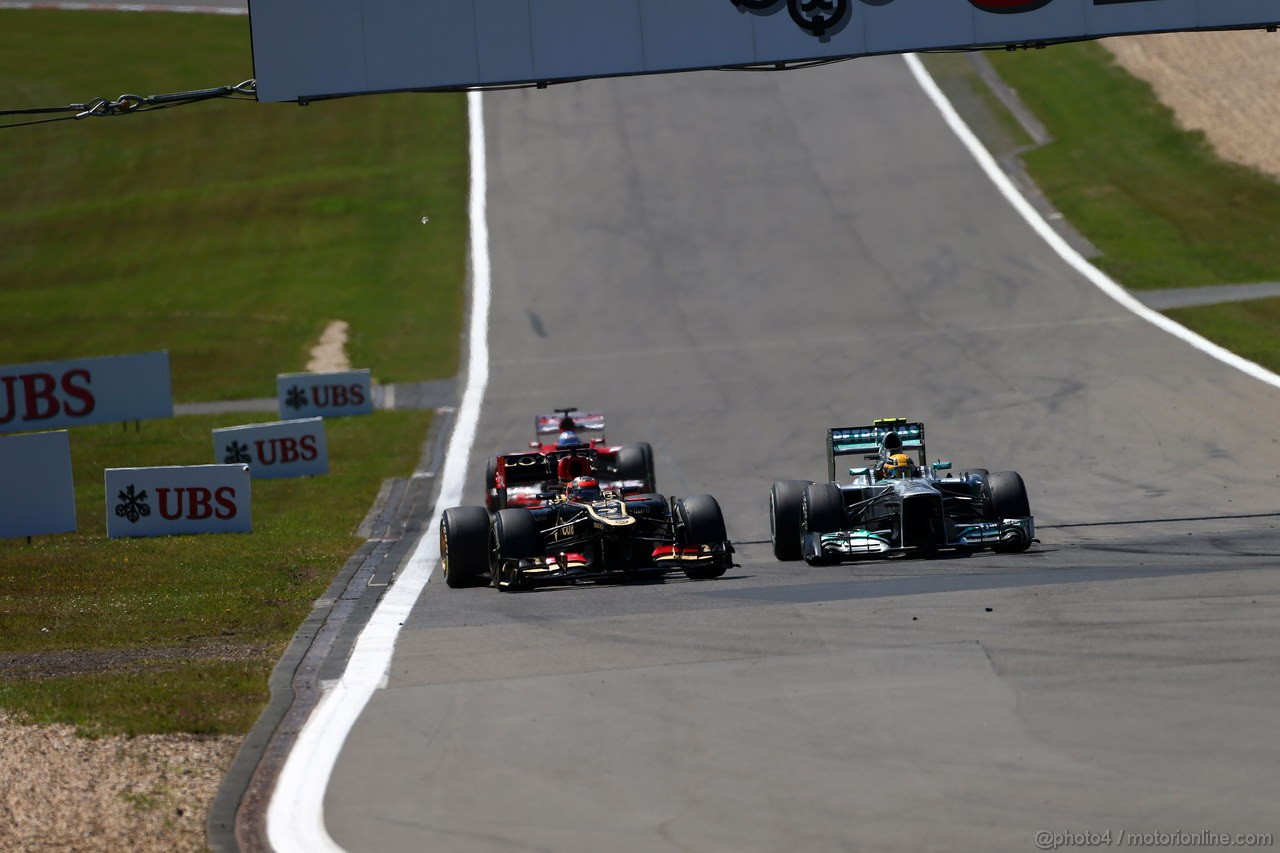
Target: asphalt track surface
point(727, 264)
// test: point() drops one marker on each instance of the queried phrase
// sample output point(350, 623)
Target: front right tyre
point(821, 511)
point(516, 537)
point(701, 522)
point(784, 518)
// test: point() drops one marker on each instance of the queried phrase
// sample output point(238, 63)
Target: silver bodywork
point(900, 503)
point(884, 509)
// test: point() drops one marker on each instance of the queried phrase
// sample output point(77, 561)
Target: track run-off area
point(727, 264)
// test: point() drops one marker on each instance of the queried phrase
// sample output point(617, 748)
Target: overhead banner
point(178, 499)
point(310, 49)
point(82, 391)
point(324, 395)
point(37, 494)
point(275, 450)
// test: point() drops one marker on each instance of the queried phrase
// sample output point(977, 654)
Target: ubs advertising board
point(275, 450)
point(37, 493)
point(178, 500)
point(312, 49)
point(77, 392)
point(324, 395)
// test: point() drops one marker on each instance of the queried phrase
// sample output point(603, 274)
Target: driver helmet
point(584, 489)
point(568, 438)
point(898, 465)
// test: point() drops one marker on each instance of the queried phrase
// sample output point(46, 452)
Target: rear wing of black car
point(519, 469)
point(867, 441)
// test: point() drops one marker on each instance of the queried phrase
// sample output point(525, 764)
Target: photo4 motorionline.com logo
point(1046, 840)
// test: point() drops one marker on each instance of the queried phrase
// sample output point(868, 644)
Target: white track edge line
point(1064, 250)
point(295, 815)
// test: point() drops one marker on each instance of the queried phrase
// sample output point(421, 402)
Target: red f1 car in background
point(566, 445)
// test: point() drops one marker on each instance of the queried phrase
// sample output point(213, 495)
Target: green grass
point(1161, 206)
point(1250, 329)
point(229, 233)
point(203, 613)
point(168, 229)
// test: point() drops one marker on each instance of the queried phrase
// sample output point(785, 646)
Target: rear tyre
point(464, 545)
point(700, 522)
point(784, 518)
point(635, 462)
point(1009, 500)
point(494, 497)
point(516, 537)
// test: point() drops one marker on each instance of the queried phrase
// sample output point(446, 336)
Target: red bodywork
point(536, 476)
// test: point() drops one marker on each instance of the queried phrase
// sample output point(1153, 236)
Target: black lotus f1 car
point(567, 538)
point(897, 505)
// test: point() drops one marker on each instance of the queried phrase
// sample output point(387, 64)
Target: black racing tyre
point(1009, 500)
point(494, 498)
point(987, 509)
point(635, 462)
point(784, 518)
point(464, 545)
point(822, 509)
point(1009, 494)
point(515, 537)
point(701, 519)
point(701, 522)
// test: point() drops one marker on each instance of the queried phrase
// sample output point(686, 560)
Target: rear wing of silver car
point(570, 419)
point(868, 441)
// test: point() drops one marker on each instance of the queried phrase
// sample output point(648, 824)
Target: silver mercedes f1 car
point(898, 504)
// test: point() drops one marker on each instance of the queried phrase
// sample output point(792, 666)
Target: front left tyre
point(464, 545)
point(1009, 500)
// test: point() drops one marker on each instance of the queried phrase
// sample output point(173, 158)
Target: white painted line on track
point(1073, 258)
point(295, 816)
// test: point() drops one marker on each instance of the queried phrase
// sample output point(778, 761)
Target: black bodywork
point(616, 537)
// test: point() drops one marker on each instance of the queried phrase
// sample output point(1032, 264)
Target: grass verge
point(231, 234)
point(1161, 206)
point(1155, 199)
point(227, 232)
